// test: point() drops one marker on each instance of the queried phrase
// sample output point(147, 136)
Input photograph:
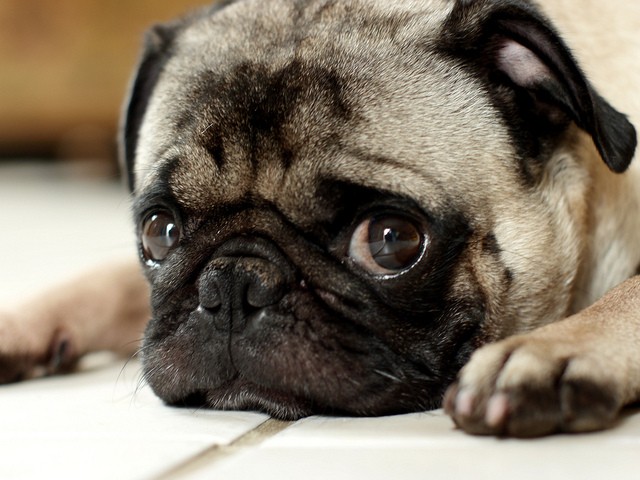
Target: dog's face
point(339, 200)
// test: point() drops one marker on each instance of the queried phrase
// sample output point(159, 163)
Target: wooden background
point(64, 69)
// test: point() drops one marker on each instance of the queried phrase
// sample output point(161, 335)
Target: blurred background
point(64, 69)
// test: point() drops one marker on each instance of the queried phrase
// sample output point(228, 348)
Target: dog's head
point(338, 200)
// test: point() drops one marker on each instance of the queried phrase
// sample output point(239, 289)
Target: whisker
point(388, 375)
point(207, 129)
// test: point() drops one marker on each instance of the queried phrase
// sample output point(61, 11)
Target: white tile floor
point(102, 423)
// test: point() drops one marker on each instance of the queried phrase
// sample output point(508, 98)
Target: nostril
point(260, 295)
point(209, 293)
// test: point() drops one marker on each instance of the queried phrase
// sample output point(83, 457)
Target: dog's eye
point(160, 233)
point(387, 244)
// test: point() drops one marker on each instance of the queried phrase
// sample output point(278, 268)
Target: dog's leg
point(105, 309)
point(573, 376)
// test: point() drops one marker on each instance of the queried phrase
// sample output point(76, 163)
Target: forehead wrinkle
point(198, 182)
point(385, 173)
point(272, 32)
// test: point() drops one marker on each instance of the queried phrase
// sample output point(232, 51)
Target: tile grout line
point(218, 453)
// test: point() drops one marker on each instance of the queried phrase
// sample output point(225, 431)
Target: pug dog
point(339, 201)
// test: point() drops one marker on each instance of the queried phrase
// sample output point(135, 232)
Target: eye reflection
point(160, 234)
point(387, 244)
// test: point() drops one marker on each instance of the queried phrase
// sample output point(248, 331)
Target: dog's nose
point(231, 289)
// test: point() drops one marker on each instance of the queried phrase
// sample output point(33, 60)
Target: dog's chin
point(283, 382)
point(246, 396)
point(365, 390)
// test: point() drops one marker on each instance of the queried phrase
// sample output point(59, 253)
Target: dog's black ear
point(157, 50)
point(515, 45)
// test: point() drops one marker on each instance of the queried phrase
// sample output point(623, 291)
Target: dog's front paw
point(532, 385)
point(29, 350)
